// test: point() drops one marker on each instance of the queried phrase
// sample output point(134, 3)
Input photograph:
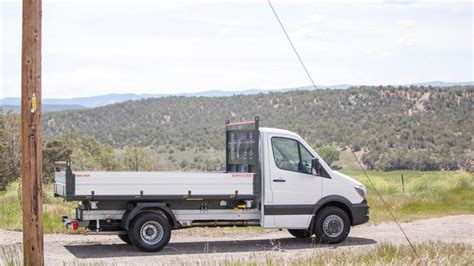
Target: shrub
point(329, 154)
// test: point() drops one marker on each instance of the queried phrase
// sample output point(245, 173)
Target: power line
point(384, 203)
point(350, 148)
point(291, 43)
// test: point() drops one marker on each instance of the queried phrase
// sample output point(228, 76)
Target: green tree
point(12, 135)
point(8, 165)
point(370, 158)
point(136, 159)
point(329, 154)
point(88, 153)
point(53, 151)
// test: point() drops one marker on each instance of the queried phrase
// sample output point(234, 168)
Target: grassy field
point(427, 194)
point(11, 213)
point(383, 254)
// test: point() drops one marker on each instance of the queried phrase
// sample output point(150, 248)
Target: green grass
point(53, 208)
point(436, 253)
point(427, 194)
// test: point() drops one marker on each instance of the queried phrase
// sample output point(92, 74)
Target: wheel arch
point(332, 200)
point(142, 207)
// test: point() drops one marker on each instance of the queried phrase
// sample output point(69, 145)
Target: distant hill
point(102, 100)
point(46, 108)
point(442, 84)
point(396, 127)
point(84, 102)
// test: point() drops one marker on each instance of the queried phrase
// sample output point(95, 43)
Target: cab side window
point(290, 155)
point(285, 152)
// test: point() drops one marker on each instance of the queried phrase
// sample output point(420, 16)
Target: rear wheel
point(299, 233)
point(125, 239)
point(332, 225)
point(150, 232)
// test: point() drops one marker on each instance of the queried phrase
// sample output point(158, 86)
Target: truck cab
point(298, 184)
point(273, 179)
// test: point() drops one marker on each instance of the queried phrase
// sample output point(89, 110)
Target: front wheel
point(332, 225)
point(150, 232)
point(299, 233)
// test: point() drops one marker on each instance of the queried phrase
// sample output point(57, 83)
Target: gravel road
point(213, 245)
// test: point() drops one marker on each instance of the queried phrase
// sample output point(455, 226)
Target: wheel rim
point(333, 225)
point(151, 232)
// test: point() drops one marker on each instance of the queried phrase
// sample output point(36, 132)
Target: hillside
point(397, 127)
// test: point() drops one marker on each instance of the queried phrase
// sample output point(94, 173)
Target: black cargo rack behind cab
point(242, 140)
point(242, 146)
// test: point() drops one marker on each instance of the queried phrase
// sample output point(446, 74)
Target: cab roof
point(278, 131)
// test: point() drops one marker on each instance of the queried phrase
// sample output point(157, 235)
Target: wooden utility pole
point(31, 155)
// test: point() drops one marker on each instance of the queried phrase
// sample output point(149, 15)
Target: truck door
point(295, 189)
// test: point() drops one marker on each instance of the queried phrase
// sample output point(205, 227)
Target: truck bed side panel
point(162, 183)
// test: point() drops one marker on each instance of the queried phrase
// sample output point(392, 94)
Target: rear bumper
point(67, 222)
point(360, 213)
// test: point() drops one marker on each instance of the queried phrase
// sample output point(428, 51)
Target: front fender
point(358, 212)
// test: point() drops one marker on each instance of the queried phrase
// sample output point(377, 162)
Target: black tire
point(333, 231)
point(125, 239)
point(147, 225)
point(299, 233)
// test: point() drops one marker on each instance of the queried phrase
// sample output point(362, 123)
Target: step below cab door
point(295, 189)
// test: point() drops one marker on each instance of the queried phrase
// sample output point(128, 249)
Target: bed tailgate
point(61, 183)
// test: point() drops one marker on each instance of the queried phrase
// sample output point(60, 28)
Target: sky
point(100, 47)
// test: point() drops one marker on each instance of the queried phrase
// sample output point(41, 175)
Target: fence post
point(403, 184)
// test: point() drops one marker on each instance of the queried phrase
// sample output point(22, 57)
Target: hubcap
point(151, 232)
point(333, 226)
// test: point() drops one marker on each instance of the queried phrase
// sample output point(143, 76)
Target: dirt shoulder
point(216, 245)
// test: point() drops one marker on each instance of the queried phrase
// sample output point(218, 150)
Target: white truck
point(273, 179)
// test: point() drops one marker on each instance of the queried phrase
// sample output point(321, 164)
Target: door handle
point(279, 180)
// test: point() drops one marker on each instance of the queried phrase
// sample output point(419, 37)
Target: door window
point(290, 155)
point(285, 152)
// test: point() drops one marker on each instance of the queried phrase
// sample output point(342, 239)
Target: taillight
point(74, 225)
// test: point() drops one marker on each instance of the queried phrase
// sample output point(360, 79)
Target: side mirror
point(315, 165)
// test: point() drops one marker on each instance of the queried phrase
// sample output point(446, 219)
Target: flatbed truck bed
point(97, 185)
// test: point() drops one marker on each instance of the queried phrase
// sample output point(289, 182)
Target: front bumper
point(360, 213)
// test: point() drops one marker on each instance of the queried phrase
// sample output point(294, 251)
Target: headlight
point(361, 191)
